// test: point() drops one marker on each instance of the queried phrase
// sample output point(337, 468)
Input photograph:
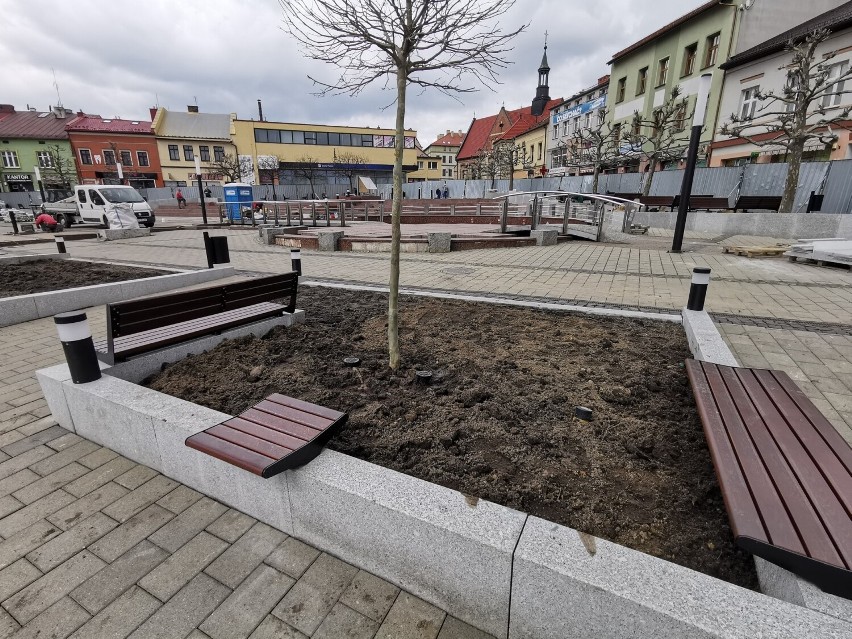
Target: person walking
point(446, 192)
point(181, 200)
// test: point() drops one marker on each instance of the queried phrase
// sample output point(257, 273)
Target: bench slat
point(294, 414)
point(263, 432)
point(753, 406)
point(300, 431)
point(228, 452)
point(255, 444)
point(737, 483)
point(305, 407)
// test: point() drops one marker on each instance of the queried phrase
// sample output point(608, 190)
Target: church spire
point(542, 93)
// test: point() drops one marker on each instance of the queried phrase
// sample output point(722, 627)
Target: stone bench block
point(545, 237)
point(108, 235)
point(565, 585)
point(452, 551)
point(329, 240)
point(705, 342)
point(440, 242)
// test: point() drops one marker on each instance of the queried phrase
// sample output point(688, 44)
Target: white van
point(90, 201)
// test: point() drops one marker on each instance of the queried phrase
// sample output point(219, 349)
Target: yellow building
point(181, 137)
point(531, 152)
point(429, 167)
point(310, 159)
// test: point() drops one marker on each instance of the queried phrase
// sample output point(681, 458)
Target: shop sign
point(591, 105)
point(18, 177)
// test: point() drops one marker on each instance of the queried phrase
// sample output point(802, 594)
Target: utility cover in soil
point(496, 419)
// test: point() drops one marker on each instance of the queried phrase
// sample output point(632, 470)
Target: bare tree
point(307, 168)
point(350, 165)
point(660, 137)
point(798, 114)
point(427, 43)
point(232, 167)
point(268, 166)
point(62, 169)
point(595, 146)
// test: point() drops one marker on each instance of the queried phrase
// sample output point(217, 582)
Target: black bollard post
point(296, 260)
point(698, 288)
point(208, 249)
point(60, 245)
point(76, 338)
point(14, 222)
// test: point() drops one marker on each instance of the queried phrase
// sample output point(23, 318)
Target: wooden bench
point(144, 325)
point(784, 471)
point(665, 201)
point(759, 202)
point(624, 196)
point(278, 433)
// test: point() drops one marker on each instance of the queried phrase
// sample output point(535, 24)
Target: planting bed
point(49, 275)
point(497, 421)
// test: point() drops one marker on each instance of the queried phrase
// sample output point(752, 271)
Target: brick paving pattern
point(95, 545)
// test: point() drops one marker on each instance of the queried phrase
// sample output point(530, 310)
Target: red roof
point(95, 124)
point(671, 25)
point(450, 139)
point(34, 125)
point(522, 121)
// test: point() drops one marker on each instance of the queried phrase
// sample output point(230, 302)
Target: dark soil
point(54, 275)
point(497, 421)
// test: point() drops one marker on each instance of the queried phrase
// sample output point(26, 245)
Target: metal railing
point(302, 212)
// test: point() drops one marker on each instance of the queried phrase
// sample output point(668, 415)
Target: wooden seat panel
point(784, 471)
point(265, 443)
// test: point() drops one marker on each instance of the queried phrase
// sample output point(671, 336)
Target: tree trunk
point(649, 177)
point(399, 145)
point(794, 166)
point(595, 177)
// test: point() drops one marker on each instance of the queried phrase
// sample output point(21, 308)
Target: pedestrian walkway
point(94, 545)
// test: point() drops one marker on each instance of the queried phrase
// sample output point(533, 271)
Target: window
point(556, 132)
point(619, 92)
point(204, 152)
point(433, 165)
point(712, 50)
point(10, 159)
point(126, 158)
point(576, 124)
point(285, 137)
point(663, 71)
point(96, 198)
point(109, 157)
point(334, 139)
point(261, 135)
point(322, 138)
point(679, 123)
point(748, 102)
point(689, 59)
point(45, 159)
point(85, 156)
point(218, 153)
point(142, 158)
point(642, 82)
point(81, 195)
point(834, 91)
point(419, 164)
point(366, 140)
point(310, 137)
point(298, 137)
point(273, 137)
point(188, 155)
point(174, 154)
point(588, 122)
point(539, 151)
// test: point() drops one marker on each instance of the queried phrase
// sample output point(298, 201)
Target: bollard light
point(698, 288)
point(296, 261)
point(77, 344)
point(60, 245)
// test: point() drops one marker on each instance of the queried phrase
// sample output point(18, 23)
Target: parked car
point(89, 204)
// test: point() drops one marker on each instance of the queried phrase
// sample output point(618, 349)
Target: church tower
point(542, 93)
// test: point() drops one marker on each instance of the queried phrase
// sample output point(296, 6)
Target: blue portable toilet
point(237, 197)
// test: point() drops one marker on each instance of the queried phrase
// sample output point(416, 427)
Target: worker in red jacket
point(47, 223)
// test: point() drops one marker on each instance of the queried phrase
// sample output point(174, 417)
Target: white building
point(763, 68)
point(583, 110)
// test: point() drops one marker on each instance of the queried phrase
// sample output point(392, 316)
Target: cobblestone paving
point(94, 545)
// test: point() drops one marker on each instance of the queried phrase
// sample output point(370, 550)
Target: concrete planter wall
point(23, 308)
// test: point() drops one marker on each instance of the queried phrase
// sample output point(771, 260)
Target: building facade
point(183, 136)
point(100, 145)
point(35, 141)
point(764, 68)
point(318, 157)
point(429, 167)
point(446, 147)
point(582, 111)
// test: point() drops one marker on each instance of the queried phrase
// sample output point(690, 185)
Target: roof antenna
point(56, 86)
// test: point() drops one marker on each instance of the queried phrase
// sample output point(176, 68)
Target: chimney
point(58, 112)
point(259, 111)
point(192, 108)
point(7, 108)
point(153, 112)
point(603, 79)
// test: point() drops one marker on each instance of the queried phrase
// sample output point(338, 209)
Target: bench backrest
point(770, 202)
point(127, 318)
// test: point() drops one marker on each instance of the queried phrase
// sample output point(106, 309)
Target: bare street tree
point(439, 44)
point(62, 171)
point(350, 165)
point(231, 167)
point(595, 146)
point(660, 137)
point(798, 115)
point(307, 168)
point(268, 167)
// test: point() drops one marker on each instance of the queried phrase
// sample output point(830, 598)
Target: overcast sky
point(118, 58)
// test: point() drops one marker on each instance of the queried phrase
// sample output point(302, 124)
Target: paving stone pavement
point(95, 545)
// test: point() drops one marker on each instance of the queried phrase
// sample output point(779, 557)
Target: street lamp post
point(691, 159)
point(201, 190)
point(40, 183)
